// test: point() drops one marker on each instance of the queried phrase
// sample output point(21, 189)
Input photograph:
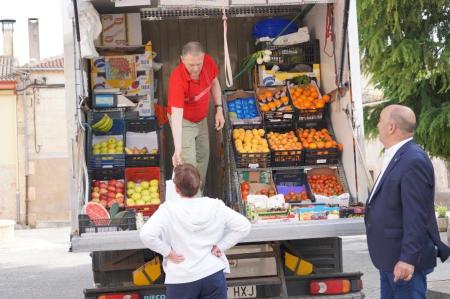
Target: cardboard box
point(240, 94)
point(121, 30)
point(132, 74)
point(270, 78)
point(341, 199)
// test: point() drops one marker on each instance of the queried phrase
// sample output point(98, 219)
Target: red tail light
point(120, 296)
point(330, 286)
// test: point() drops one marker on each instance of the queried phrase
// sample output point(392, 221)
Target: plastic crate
point(102, 176)
point(250, 160)
point(276, 118)
point(143, 174)
point(142, 126)
point(288, 56)
point(292, 181)
point(128, 222)
point(323, 155)
point(282, 158)
point(312, 114)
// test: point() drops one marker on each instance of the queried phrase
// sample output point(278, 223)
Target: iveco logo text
point(154, 297)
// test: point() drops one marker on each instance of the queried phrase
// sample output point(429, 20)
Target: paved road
point(37, 265)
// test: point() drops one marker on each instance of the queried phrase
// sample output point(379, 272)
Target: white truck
point(258, 269)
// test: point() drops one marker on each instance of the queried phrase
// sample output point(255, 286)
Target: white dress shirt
point(387, 157)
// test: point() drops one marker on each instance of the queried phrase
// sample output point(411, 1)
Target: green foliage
point(406, 50)
point(441, 211)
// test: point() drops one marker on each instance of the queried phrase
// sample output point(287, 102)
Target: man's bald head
point(403, 117)
point(396, 123)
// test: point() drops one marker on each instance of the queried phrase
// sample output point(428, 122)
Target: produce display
point(243, 108)
point(317, 139)
point(110, 145)
point(140, 151)
point(273, 101)
point(306, 97)
point(293, 196)
point(108, 192)
point(104, 124)
point(143, 193)
point(250, 141)
point(327, 185)
point(284, 141)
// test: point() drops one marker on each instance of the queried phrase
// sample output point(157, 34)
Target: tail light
point(330, 286)
point(120, 296)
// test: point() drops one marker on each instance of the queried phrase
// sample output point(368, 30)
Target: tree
point(405, 48)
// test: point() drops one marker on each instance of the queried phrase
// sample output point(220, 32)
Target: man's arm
point(217, 96)
point(176, 124)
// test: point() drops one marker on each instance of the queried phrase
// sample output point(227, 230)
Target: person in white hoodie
point(192, 234)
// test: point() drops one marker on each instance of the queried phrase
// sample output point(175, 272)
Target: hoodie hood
point(194, 214)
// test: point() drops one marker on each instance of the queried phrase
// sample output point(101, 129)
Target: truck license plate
point(241, 292)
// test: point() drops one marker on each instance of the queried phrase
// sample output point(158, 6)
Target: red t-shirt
point(192, 95)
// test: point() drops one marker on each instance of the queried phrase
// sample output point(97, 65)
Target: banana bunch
point(103, 125)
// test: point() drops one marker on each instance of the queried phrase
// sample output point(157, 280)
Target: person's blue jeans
point(416, 288)
point(213, 286)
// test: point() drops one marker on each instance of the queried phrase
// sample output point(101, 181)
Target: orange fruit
point(268, 94)
point(312, 145)
point(265, 108)
point(272, 106)
point(284, 100)
point(261, 97)
point(326, 98)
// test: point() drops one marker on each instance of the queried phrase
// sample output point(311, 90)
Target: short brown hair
point(187, 179)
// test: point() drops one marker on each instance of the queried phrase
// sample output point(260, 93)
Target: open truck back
point(266, 264)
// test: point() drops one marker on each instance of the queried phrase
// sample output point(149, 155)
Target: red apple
point(103, 203)
point(103, 185)
point(103, 191)
point(112, 182)
point(120, 200)
point(119, 184)
point(112, 194)
point(111, 188)
point(103, 197)
point(96, 189)
point(118, 195)
point(119, 190)
point(95, 195)
point(96, 183)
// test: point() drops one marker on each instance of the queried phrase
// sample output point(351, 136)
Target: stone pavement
point(37, 264)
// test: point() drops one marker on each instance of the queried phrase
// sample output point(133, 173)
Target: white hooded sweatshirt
point(191, 227)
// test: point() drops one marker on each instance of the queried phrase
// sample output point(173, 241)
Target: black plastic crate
point(283, 158)
point(288, 56)
point(86, 225)
point(107, 174)
point(320, 155)
point(292, 178)
point(277, 118)
point(313, 114)
point(142, 126)
point(250, 160)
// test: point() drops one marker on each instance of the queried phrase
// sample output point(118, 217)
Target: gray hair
point(193, 48)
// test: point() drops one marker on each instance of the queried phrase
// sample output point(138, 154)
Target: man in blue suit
point(402, 233)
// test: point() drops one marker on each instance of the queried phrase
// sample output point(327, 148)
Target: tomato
point(245, 186)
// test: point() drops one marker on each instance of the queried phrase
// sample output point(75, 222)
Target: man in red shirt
point(190, 86)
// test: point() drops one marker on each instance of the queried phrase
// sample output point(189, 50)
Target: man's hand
point(216, 251)
point(175, 258)
point(220, 120)
point(403, 271)
point(176, 159)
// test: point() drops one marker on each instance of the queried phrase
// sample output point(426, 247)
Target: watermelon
point(97, 213)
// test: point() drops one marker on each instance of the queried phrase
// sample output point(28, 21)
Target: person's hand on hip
point(219, 120)
point(403, 271)
point(175, 257)
point(216, 251)
point(176, 159)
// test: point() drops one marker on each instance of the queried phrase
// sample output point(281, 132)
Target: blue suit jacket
point(400, 219)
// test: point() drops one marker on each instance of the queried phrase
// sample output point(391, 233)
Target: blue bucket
point(272, 27)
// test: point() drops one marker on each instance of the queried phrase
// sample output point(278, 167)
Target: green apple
point(119, 143)
point(130, 192)
point(145, 184)
point(130, 202)
point(131, 185)
point(136, 196)
point(111, 151)
point(112, 140)
point(97, 151)
point(146, 198)
point(154, 195)
point(111, 146)
point(97, 146)
point(155, 201)
point(154, 182)
point(104, 151)
point(119, 151)
point(153, 189)
point(145, 192)
point(138, 188)
point(103, 144)
point(140, 202)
